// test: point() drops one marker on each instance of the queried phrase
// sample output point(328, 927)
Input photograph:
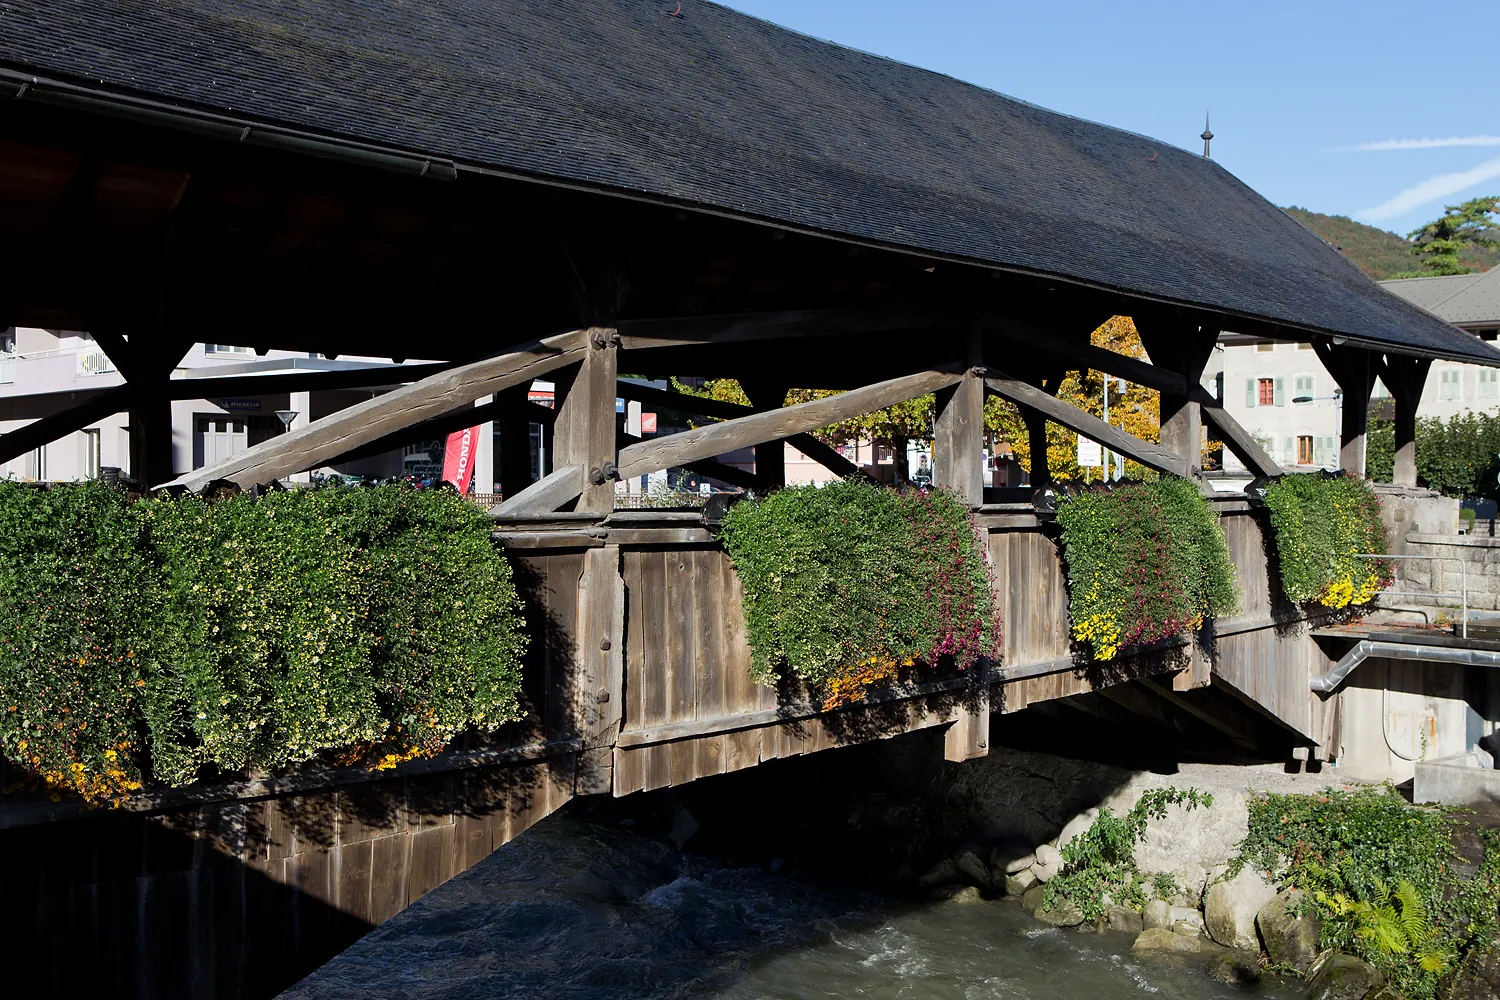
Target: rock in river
point(1020, 882)
point(1230, 909)
point(1161, 939)
point(1290, 937)
point(1337, 976)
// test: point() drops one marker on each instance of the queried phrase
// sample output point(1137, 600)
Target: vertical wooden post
point(584, 432)
point(1036, 439)
point(515, 454)
point(599, 674)
point(1355, 370)
point(1179, 345)
point(770, 456)
point(958, 431)
point(1405, 378)
point(147, 363)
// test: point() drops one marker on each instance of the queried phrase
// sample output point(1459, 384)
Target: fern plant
point(1392, 923)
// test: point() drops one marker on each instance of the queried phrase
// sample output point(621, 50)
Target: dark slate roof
point(716, 108)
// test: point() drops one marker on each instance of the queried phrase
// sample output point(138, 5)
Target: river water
point(575, 909)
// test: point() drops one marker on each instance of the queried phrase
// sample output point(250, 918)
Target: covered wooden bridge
point(584, 190)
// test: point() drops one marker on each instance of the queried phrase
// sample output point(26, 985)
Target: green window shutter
point(1280, 391)
point(1290, 451)
point(1250, 393)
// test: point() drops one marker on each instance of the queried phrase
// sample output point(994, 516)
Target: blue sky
point(1334, 107)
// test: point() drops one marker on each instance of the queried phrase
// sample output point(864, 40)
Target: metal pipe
point(1367, 648)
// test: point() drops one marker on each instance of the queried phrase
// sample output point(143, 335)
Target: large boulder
point(1189, 843)
point(1011, 858)
point(1158, 915)
point(1075, 826)
point(972, 867)
point(1123, 918)
point(1063, 914)
point(1161, 939)
point(945, 872)
point(1032, 899)
point(1289, 926)
point(1236, 968)
point(966, 894)
point(1049, 863)
point(1020, 882)
point(1477, 976)
point(1336, 976)
point(1230, 909)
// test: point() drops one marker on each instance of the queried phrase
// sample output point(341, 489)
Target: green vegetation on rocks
point(1099, 864)
point(1385, 876)
point(161, 640)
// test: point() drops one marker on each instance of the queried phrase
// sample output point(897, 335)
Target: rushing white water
point(575, 910)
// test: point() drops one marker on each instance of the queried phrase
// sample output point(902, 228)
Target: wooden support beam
point(1026, 395)
point(1355, 370)
point(583, 432)
point(1229, 722)
point(1180, 345)
point(39, 432)
point(599, 687)
point(968, 738)
point(546, 495)
point(1405, 378)
point(958, 431)
point(749, 327)
point(513, 406)
point(730, 474)
point(363, 422)
point(770, 456)
point(825, 455)
point(1239, 442)
point(716, 439)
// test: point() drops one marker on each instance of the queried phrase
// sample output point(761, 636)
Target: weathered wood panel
point(1248, 553)
point(660, 765)
point(687, 656)
point(242, 899)
point(1033, 596)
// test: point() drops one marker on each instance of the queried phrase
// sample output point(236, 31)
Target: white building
point(42, 371)
point(1281, 393)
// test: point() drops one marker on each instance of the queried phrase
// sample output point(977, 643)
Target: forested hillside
point(1378, 253)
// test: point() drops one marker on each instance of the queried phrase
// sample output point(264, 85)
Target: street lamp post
point(1338, 411)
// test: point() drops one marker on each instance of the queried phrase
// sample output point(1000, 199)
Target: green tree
point(1439, 243)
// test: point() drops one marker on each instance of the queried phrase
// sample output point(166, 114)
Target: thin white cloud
point(1423, 143)
point(1433, 189)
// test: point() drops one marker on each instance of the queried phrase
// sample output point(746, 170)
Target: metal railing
point(1462, 595)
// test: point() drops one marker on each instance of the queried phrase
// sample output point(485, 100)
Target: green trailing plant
point(849, 583)
point(1384, 876)
point(1099, 864)
point(77, 609)
point(352, 624)
point(1322, 524)
point(1145, 561)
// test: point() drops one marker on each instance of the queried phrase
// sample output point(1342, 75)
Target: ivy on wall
point(155, 640)
point(848, 583)
point(1146, 561)
point(1321, 522)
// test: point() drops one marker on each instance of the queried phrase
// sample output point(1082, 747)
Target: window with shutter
point(1489, 383)
point(1281, 392)
point(1325, 455)
point(1448, 383)
point(1304, 449)
point(1266, 391)
point(1302, 386)
point(1289, 452)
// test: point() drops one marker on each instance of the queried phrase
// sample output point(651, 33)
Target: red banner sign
point(458, 458)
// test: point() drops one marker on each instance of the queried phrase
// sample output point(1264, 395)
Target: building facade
point(1282, 394)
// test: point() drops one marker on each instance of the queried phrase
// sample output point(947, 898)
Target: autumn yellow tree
point(1137, 410)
